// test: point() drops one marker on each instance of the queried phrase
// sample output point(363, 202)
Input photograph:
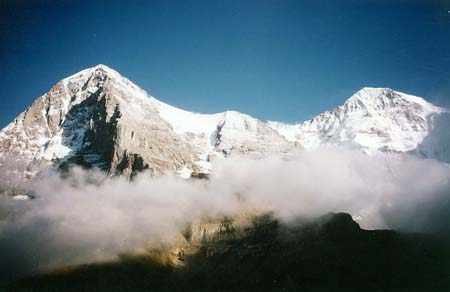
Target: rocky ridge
point(99, 118)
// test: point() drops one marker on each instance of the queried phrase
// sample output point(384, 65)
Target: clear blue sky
point(276, 60)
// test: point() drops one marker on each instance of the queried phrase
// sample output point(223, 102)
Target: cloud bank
point(86, 217)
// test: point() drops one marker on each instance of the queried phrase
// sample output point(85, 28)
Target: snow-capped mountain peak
point(99, 118)
point(378, 99)
point(373, 119)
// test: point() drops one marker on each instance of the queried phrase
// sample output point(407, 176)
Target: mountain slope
point(374, 119)
point(99, 118)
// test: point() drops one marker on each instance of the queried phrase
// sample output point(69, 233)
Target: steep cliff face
point(97, 118)
point(210, 235)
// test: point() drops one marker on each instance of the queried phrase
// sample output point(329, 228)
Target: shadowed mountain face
point(436, 142)
point(97, 118)
point(330, 253)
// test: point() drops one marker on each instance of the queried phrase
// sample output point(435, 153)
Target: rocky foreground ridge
point(329, 252)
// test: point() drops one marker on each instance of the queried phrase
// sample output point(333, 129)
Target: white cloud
point(87, 217)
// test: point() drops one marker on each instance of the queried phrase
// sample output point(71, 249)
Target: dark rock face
point(98, 118)
point(337, 224)
point(95, 118)
point(330, 253)
point(99, 137)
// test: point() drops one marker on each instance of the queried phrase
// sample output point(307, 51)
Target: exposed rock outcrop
point(328, 253)
point(97, 118)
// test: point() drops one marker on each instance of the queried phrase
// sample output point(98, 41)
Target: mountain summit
point(374, 119)
point(97, 118)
